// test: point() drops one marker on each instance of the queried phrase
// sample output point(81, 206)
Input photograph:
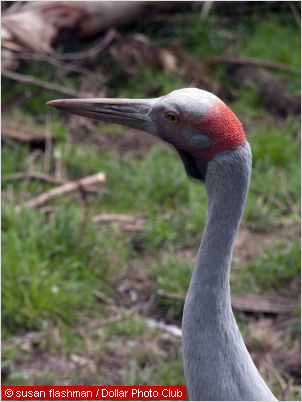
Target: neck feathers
point(217, 364)
point(227, 183)
point(216, 361)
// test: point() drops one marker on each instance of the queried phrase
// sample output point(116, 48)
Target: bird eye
point(172, 118)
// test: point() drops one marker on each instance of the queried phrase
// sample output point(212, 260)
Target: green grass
point(276, 147)
point(266, 41)
point(13, 159)
point(164, 80)
point(166, 373)
point(276, 270)
point(49, 270)
point(176, 282)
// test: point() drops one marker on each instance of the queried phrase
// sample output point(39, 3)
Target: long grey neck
point(227, 183)
point(216, 362)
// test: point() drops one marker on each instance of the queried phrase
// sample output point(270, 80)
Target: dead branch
point(115, 218)
point(94, 50)
point(54, 62)
point(86, 55)
point(252, 62)
point(262, 304)
point(273, 93)
point(171, 329)
point(28, 79)
point(33, 175)
point(170, 295)
point(136, 50)
point(128, 223)
point(14, 130)
point(99, 295)
point(63, 190)
point(37, 27)
point(249, 303)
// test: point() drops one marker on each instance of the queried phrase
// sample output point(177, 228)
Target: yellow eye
point(172, 118)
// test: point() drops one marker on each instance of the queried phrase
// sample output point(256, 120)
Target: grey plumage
point(213, 148)
point(222, 368)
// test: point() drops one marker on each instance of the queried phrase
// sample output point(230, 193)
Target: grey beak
point(133, 113)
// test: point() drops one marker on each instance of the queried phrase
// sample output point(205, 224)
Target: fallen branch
point(169, 295)
point(252, 62)
point(28, 79)
point(101, 296)
point(88, 54)
point(115, 218)
point(93, 50)
point(54, 62)
point(273, 93)
point(262, 304)
point(248, 303)
point(20, 132)
point(33, 175)
point(129, 223)
point(37, 27)
point(171, 329)
point(66, 188)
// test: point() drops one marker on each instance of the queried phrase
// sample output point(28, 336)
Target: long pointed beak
point(133, 113)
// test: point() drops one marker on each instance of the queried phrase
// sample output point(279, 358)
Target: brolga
point(213, 148)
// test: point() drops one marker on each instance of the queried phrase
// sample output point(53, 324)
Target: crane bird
point(212, 145)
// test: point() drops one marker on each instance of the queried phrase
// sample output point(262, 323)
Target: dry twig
point(66, 188)
point(21, 132)
point(262, 304)
point(252, 62)
point(33, 175)
point(53, 61)
point(273, 93)
point(171, 329)
point(93, 50)
point(28, 79)
point(115, 218)
point(128, 223)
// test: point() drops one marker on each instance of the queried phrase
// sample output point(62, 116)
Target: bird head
point(197, 123)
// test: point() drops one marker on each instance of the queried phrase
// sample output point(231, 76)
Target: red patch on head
point(224, 129)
